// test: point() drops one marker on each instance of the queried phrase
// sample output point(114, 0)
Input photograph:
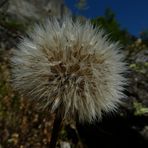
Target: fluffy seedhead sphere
point(69, 66)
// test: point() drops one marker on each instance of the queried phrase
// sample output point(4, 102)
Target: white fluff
point(71, 66)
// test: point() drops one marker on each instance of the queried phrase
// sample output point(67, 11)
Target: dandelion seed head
point(69, 65)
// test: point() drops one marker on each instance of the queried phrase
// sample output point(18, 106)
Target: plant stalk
point(55, 131)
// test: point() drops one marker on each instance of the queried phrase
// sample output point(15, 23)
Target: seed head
point(70, 65)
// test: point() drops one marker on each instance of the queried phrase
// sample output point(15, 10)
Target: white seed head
point(69, 65)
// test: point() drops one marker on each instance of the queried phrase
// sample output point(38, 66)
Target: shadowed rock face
point(35, 9)
point(117, 132)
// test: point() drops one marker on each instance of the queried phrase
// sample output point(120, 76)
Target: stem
point(55, 130)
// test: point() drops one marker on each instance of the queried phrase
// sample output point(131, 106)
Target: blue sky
point(131, 14)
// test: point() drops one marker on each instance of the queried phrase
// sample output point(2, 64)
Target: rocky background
point(23, 126)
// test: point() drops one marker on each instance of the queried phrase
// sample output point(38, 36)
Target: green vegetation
point(112, 27)
point(140, 109)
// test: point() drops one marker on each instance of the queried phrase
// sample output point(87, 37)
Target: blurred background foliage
point(109, 23)
point(23, 126)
